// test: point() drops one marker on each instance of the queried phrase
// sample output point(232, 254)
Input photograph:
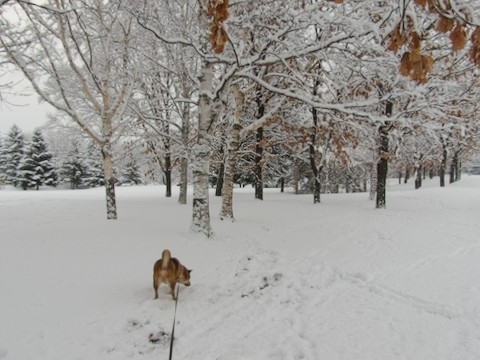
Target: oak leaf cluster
point(416, 64)
point(218, 11)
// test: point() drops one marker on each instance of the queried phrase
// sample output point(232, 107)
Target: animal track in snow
point(413, 301)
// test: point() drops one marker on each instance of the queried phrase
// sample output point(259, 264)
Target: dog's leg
point(155, 286)
point(172, 289)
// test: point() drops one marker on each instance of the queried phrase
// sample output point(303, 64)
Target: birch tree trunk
point(86, 73)
point(201, 156)
point(231, 159)
point(182, 198)
point(109, 181)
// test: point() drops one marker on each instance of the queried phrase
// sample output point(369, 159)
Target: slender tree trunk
point(182, 198)
point(296, 177)
point(221, 173)
point(316, 170)
point(454, 168)
point(282, 184)
point(201, 155)
point(168, 175)
point(382, 165)
point(452, 173)
point(458, 172)
point(231, 161)
point(259, 164)
point(443, 166)
point(382, 170)
point(231, 157)
point(316, 176)
point(109, 181)
point(313, 152)
point(258, 173)
point(373, 181)
point(418, 178)
point(407, 175)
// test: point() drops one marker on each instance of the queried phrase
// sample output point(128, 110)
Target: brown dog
point(168, 270)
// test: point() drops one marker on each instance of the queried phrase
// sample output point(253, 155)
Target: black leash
point(173, 327)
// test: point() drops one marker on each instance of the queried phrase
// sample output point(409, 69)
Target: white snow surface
point(287, 280)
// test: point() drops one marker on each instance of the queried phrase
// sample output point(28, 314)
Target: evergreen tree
point(131, 174)
point(36, 167)
point(93, 167)
point(74, 168)
point(13, 150)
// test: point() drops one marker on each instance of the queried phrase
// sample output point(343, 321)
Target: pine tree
point(131, 174)
point(74, 169)
point(36, 167)
point(93, 167)
point(13, 150)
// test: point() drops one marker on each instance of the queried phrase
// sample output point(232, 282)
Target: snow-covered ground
point(287, 280)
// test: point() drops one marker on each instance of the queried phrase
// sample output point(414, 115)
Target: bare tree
point(76, 55)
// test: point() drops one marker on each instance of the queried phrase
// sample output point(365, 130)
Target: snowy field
point(287, 280)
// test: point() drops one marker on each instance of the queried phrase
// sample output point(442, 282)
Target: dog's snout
point(187, 283)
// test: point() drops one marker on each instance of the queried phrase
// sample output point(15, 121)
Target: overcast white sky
point(29, 114)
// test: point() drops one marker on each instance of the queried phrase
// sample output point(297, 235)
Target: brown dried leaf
point(458, 38)
point(414, 42)
point(218, 9)
point(218, 37)
point(416, 66)
point(405, 65)
point(421, 3)
point(474, 52)
point(415, 56)
point(445, 24)
point(396, 39)
point(431, 6)
point(427, 63)
point(416, 71)
point(475, 38)
point(221, 12)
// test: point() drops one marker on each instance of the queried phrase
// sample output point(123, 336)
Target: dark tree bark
point(219, 186)
point(382, 165)
point(418, 178)
point(168, 175)
point(313, 152)
point(258, 164)
point(443, 166)
point(455, 168)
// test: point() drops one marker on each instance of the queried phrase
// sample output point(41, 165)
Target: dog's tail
point(165, 259)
